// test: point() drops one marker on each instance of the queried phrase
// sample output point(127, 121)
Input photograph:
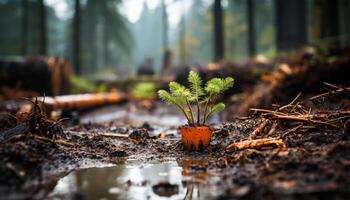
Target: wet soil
point(314, 162)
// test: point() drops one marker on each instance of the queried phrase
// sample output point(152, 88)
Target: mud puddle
point(160, 121)
point(135, 117)
point(160, 117)
point(135, 180)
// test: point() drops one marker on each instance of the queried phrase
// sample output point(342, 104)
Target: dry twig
point(256, 144)
point(118, 135)
point(259, 129)
point(338, 91)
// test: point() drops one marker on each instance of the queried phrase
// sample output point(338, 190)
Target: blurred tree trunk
point(106, 37)
point(316, 24)
point(24, 31)
point(182, 41)
point(329, 17)
point(218, 31)
point(76, 37)
point(329, 20)
point(166, 52)
point(326, 21)
point(344, 25)
point(165, 26)
point(91, 35)
point(291, 26)
point(42, 18)
point(251, 28)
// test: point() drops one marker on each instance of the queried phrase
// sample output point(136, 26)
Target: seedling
point(196, 99)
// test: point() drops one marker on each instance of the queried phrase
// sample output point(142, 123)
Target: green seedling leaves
point(217, 85)
point(217, 108)
point(184, 97)
point(196, 85)
point(179, 90)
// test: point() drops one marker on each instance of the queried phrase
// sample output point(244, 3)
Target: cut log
point(81, 101)
point(45, 75)
point(68, 103)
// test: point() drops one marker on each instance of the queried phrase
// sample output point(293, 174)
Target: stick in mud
point(256, 144)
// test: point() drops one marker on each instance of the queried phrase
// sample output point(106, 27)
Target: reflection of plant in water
point(183, 97)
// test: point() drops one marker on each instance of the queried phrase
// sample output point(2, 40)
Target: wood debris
point(49, 75)
point(292, 118)
point(72, 102)
point(259, 130)
point(256, 144)
point(292, 77)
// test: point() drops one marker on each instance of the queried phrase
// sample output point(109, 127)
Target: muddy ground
point(278, 159)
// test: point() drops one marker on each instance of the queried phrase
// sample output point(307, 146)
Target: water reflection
point(129, 181)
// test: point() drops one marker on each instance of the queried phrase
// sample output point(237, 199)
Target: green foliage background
point(110, 41)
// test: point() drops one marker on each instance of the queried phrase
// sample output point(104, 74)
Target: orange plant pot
point(195, 138)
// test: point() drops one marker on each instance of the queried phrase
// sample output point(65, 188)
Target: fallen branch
point(335, 86)
point(291, 131)
point(114, 135)
point(302, 118)
point(256, 144)
point(298, 118)
point(260, 129)
point(80, 101)
point(291, 104)
point(60, 142)
point(338, 91)
point(266, 111)
point(273, 128)
point(100, 134)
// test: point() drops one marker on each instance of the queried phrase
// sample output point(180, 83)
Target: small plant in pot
point(197, 103)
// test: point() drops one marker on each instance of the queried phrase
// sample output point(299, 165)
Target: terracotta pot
point(195, 138)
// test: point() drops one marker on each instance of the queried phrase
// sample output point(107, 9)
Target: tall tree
point(218, 31)
point(165, 26)
point(290, 24)
point(182, 45)
point(326, 17)
point(344, 25)
point(236, 30)
point(108, 35)
point(76, 37)
point(24, 25)
point(42, 18)
point(251, 28)
point(166, 52)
